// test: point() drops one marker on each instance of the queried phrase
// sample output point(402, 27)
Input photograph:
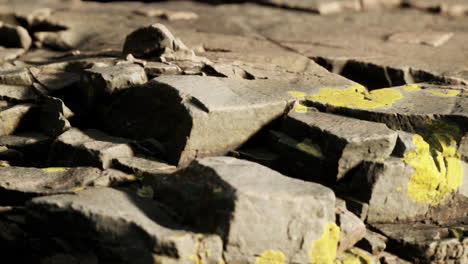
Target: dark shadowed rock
point(126, 228)
point(16, 92)
point(12, 36)
point(373, 242)
point(235, 198)
point(11, 117)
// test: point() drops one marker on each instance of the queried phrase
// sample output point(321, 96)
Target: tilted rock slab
point(88, 148)
point(257, 211)
point(196, 116)
point(11, 117)
point(342, 142)
point(127, 229)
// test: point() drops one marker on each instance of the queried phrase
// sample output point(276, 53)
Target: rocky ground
point(269, 131)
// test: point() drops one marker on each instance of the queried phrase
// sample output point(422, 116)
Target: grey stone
point(142, 166)
point(90, 148)
point(449, 7)
point(236, 198)
point(318, 6)
point(428, 243)
point(19, 93)
point(54, 79)
point(211, 115)
point(352, 229)
point(28, 182)
point(154, 69)
point(130, 228)
point(12, 36)
point(99, 82)
point(373, 242)
point(19, 76)
point(434, 39)
point(11, 118)
point(61, 40)
point(344, 142)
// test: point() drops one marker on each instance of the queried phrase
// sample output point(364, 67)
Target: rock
point(317, 6)
point(29, 148)
point(18, 184)
point(343, 142)
point(142, 166)
point(16, 76)
point(428, 243)
point(10, 53)
point(200, 105)
point(238, 197)
point(373, 242)
point(54, 79)
point(351, 227)
point(388, 258)
point(101, 82)
point(154, 69)
point(61, 40)
point(167, 14)
point(145, 234)
point(11, 118)
point(88, 148)
point(434, 39)
point(18, 93)
point(449, 7)
point(12, 36)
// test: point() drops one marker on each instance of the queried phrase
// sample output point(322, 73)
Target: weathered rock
point(61, 40)
point(318, 6)
point(125, 228)
point(427, 243)
point(373, 242)
point(29, 148)
point(434, 39)
point(343, 142)
point(238, 197)
point(88, 148)
point(352, 229)
point(54, 79)
point(449, 7)
point(10, 53)
point(12, 36)
point(20, 183)
point(11, 118)
point(19, 93)
point(167, 14)
point(52, 116)
point(154, 69)
point(211, 115)
point(141, 166)
point(99, 82)
point(19, 76)
point(388, 258)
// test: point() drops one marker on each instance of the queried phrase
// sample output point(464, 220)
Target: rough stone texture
point(215, 115)
point(238, 197)
point(431, 243)
point(90, 147)
point(142, 166)
point(29, 148)
point(21, 183)
point(351, 227)
point(15, 92)
point(99, 82)
point(19, 76)
point(54, 79)
point(142, 228)
point(343, 142)
point(319, 6)
point(11, 118)
point(373, 242)
point(12, 36)
point(447, 7)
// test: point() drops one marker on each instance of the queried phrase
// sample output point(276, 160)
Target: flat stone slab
point(90, 147)
point(11, 118)
point(343, 142)
point(127, 227)
point(214, 115)
point(238, 197)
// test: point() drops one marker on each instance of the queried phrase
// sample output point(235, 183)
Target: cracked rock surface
point(212, 131)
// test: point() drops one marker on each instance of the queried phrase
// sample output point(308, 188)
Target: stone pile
point(254, 142)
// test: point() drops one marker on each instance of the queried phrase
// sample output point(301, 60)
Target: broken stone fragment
point(12, 36)
point(235, 198)
point(344, 142)
point(54, 79)
point(352, 229)
point(88, 148)
point(124, 227)
point(373, 242)
point(23, 182)
point(11, 117)
point(141, 166)
point(99, 82)
point(434, 39)
point(51, 116)
point(19, 76)
point(428, 243)
point(154, 69)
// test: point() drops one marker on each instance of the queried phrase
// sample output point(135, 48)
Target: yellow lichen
point(271, 257)
point(457, 232)
point(444, 92)
point(77, 189)
point(221, 261)
point(323, 250)
point(357, 96)
point(300, 108)
point(311, 148)
point(53, 169)
point(411, 87)
point(296, 93)
point(438, 169)
point(399, 188)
